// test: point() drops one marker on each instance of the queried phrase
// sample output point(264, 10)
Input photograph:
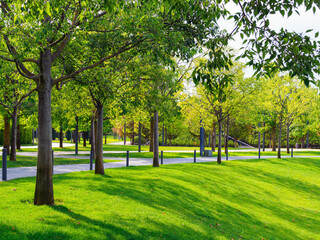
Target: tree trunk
point(84, 136)
point(219, 141)
point(132, 135)
point(264, 138)
point(279, 140)
point(18, 137)
point(139, 147)
point(214, 138)
point(288, 151)
point(227, 137)
point(155, 140)
point(302, 142)
point(61, 136)
point(44, 187)
point(162, 134)
point(151, 135)
point(76, 136)
point(6, 133)
point(14, 134)
point(99, 169)
point(105, 139)
point(93, 137)
point(235, 143)
point(165, 137)
point(124, 134)
point(274, 140)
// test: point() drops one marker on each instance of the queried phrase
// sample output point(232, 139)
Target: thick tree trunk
point(84, 136)
point(214, 138)
point(44, 187)
point(99, 169)
point(219, 142)
point(155, 140)
point(18, 137)
point(151, 135)
point(61, 136)
point(14, 134)
point(279, 140)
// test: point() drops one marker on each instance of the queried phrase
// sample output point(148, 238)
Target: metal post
point(127, 160)
point(4, 164)
point(291, 151)
point(227, 156)
point(161, 157)
point(91, 159)
point(259, 140)
point(52, 161)
point(195, 156)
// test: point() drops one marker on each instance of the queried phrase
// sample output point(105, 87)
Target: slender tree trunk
point(236, 143)
point(151, 135)
point(139, 147)
point(99, 168)
point(93, 137)
point(279, 140)
point(227, 136)
point(264, 138)
point(76, 136)
point(14, 134)
point(219, 141)
point(165, 137)
point(18, 137)
point(274, 140)
point(124, 134)
point(61, 136)
point(105, 139)
point(84, 136)
point(302, 142)
point(132, 136)
point(162, 134)
point(155, 140)
point(288, 151)
point(44, 187)
point(214, 138)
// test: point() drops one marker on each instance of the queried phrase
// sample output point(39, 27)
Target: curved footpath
point(21, 172)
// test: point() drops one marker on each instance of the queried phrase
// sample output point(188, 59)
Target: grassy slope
point(26, 161)
point(267, 199)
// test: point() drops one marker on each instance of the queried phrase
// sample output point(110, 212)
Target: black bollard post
point(161, 157)
point(4, 164)
point(91, 159)
point(291, 151)
point(195, 156)
point(127, 160)
point(52, 162)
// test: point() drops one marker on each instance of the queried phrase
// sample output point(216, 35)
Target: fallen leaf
point(14, 189)
point(78, 223)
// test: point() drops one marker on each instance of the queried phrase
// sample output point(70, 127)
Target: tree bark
point(288, 151)
point(219, 141)
point(124, 134)
point(274, 140)
point(139, 147)
point(44, 187)
point(264, 138)
point(279, 140)
point(84, 136)
point(61, 136)
point(93, 137)
point(99, 168)
point(14, 134)
point(227, 137)
point(165, 137)
point(76, 136)
point(214, 138)
point(18, 137)
point(151, 135)
point(155, 140)
point(132, 135)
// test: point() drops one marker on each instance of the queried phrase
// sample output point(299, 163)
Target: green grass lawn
point(266, 199)
point(26, 161)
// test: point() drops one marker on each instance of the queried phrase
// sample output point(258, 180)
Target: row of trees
point(105, 50)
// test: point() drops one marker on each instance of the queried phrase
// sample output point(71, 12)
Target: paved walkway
point(21, 172)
